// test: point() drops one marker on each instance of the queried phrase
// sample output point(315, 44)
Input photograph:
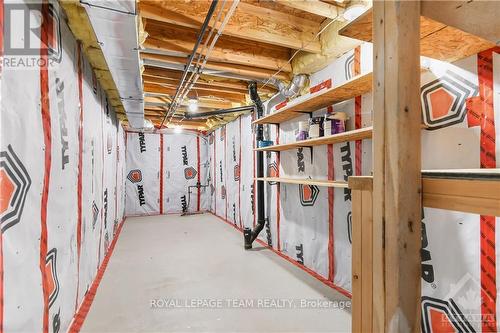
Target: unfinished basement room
point(252, 166)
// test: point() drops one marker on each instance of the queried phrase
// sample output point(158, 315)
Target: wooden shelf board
point(359, 134)
point(437, 40)
point(326, 183)
point(465, 190)
point(355, 87)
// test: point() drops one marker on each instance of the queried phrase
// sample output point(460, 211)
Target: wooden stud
point(367, 260)
point(396, 151)
point(357, 261)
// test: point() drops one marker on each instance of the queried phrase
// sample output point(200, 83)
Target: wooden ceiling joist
point(247, 71)
point(248, 22)
point(233, 84)
point(173, 83)
point(316, 7)
point(194, 93)
point(166, 37)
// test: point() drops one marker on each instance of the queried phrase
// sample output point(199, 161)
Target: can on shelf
point(316, 127)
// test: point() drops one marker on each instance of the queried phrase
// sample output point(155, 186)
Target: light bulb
point(193, 105)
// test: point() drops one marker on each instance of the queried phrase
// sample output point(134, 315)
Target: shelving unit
point(377, 203)
point(326, 183)
point(359, 134)
point(437, 40)
point(357, 86)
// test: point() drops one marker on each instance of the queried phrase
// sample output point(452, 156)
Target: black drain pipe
point(248, 234)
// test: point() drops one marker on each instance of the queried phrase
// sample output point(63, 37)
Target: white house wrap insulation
point(311, 225)
point(163, 170)
point(61, 177)
point(69, 173)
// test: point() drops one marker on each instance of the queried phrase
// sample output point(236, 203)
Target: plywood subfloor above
point(317, 182)
point(437, 40)
point(357, 86)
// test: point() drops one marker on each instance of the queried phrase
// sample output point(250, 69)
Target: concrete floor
point(191, 274)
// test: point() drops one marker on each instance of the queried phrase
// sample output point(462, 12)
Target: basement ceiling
point(255, 45)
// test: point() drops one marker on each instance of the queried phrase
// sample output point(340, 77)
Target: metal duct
point(298, 82)
point(115, 25)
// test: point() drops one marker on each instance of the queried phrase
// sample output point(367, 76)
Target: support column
point(396, 181)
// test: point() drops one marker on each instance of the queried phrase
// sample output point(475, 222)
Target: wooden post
point(396, 179)
point(362, 262)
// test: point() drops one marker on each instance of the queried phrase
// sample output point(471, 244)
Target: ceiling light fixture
point(193, 105)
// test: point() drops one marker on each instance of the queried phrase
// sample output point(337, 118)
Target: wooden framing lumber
point(194, 93)
point(437, 40)
point(358, 134)
point(167, 37)
point(206, 79)
point(479, 18)
point(252, 72)
point(362, 256)
point(248, 22)
point(479, 196)
point(198, 86)
point(396, 152)
point(313, 6)
point(357, 86)
point(317, 182)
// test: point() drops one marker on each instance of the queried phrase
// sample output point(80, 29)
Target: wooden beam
point(248, 22)
point(247, 71)
point(166, 37)
point(397, 181)
point(479, 18)
point(313, 6)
